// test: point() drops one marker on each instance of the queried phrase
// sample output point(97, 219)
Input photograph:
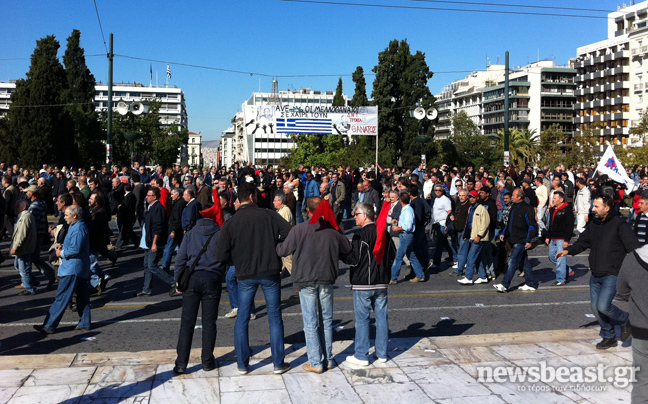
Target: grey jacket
point(631, 285)
point(24, 237)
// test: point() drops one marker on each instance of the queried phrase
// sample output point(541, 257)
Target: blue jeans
point(169, 250)
point(298, 213)
point(441, 243)
point(317, 303)
point(152, 267)
point(555, 246)
point(23, 265)
point(487, 264)
point(602, 291)
point(462, 252)
point(271, 286)
point(95, 268)
point(68, 286)
point(405, 247)
point(472, 262)
point(232, 288)
point(519, 255)
point(206, 293)
point(363, 302)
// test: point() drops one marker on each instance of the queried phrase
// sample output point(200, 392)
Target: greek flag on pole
point(168, 72)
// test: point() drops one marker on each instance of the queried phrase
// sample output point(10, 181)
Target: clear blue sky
point(284, 38)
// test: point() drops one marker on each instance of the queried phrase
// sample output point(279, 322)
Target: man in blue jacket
point(74, 274)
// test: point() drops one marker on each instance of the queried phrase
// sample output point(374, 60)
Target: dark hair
point(580, 181)
point(312, 203)
point(560, 194)
point(136, 178)
point(245, 191)
point(99, 199)
point(128, 188)
point(191, 192)
point(405, 198)
point(158, 181)
point(413, 190)
point(80, 199)
point(66, 199)
point(607, 200)
point(156, 192)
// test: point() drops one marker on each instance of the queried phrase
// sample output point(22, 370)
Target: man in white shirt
point(440, 210)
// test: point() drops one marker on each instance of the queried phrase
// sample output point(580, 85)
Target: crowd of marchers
point(250, 226)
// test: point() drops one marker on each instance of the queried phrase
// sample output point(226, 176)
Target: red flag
point(324, 210)
point(215, 212)
point(381, 242)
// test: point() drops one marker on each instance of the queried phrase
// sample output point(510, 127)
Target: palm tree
point(522, 145)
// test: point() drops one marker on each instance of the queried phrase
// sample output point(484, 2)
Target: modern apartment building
point(612, 80)
point(6, 88)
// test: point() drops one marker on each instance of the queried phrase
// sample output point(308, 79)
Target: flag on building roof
point(168, 72)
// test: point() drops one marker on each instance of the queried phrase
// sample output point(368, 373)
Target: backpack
point(607, 190)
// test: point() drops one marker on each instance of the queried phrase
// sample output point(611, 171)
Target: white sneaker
point(232, 313)
point(455, 265)
point(381, 360)
point(481, 280)
point(465, 281)
point(527, 288)
point(252, 316)
point(500, 288)
point(355, 361)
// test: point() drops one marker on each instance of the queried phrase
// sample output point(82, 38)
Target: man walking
point(74, 274)
point(249, 240)
point(126, 217)
point(440, 211)
point(475, 238)
point(176, 234)
point(316, 249)
point(22, 247)
point(609, 238)
point(582, 205)
point(561, 227)
point(519, 231)
point(39, 210)
point(406, 226)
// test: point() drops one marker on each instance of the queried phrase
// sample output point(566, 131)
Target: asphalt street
point(438, 307)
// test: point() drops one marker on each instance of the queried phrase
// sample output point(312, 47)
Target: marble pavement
point(419, 370)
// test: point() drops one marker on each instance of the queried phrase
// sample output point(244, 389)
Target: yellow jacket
point(480, 223)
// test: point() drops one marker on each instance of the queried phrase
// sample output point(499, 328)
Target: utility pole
point(506, 109)
point(110, 110)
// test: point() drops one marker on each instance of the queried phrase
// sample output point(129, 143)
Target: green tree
point(551, 146)
point(580, 148)
point(365, 145)
point(360, 95)
point(522, 146)
point(39, 128)
point(472, 148)
point(400, 84)
point(79, 95)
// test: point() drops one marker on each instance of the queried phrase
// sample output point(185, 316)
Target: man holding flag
point(371, 259)
point(610, 165)
point(317, 246)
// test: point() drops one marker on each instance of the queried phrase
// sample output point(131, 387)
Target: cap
point(33, 188)
point(473, 193)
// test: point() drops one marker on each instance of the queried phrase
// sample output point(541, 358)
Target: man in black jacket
point(176, 233)
point(249, 240)
point(126, 218)
point(155, 227)
point(369, 281)
point(519, 231)
point(559, 232)
point(609, 238)
point(486, 257)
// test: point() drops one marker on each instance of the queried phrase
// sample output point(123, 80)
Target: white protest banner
point(610, 165)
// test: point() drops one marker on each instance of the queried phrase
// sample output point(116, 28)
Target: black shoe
point(179, 371)
point(283, 368)
point(142, 294)
point(36, 283)
point(50, 283)
point(607, 343)
point(103, 284)
point(25, 292)
point(209, 368)
point(113, 259)
point(173, 292)
point(43, 330)
point(77, 328)
point(626, 331)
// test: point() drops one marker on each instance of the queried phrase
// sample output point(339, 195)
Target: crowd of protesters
point(222, 223)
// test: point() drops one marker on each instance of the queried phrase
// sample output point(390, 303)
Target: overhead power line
point(100, 27)
point(443, 9)
point(590, 10)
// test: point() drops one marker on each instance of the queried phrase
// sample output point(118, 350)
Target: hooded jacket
point(208, 266)
point(609, 240)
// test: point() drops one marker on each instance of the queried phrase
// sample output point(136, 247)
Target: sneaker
point(143, 294)
point(481, 280)
point(355, 361)
point(25, 292)
point(607, 343)
point(43, 330)
point(465, 281)
point(283, 368)
point(626, 331)
point(393, 282)
point(560, 284)
point(232, 313)
point(527, 288)
point(379, 359)
point(521, 275)
point(244, 371)
point(252, 316)
point(500, 288)
point(307, 367)
point(453, 273)
point(414, 280)
point(20, 286)
point(572, 273)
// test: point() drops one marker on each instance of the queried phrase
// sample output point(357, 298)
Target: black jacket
point(491, 207)
point(609, 241)
point(561, 223)
point(208, 266)
point(365, 270)
point(126, 211)
point(249, 240)
point(98, 228)
point(116, 197)
point(522, 226)
point(155, 222)
point(175, 221)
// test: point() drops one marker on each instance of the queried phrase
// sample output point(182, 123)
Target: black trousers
point(126, 233)
point(206, 292)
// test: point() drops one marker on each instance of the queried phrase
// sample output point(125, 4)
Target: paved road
point(438, 307)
